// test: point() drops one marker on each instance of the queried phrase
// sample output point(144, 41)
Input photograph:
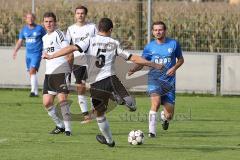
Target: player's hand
point(159, 66)
point(171, 71)
point(14, 55)
point(46, 56)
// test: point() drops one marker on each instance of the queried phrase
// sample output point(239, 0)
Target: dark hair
point(82, 7)
point(50, 14)
point(160, 23)
point(105, 24)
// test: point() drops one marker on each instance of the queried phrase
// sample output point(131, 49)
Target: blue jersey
point(164, 53)
point(33, 39)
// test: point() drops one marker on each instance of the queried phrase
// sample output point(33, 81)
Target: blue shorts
point(163, 88)
point(33, 61)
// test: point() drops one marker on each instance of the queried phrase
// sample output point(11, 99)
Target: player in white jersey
point(101, 52)
point(76, 33)
point(56, 76)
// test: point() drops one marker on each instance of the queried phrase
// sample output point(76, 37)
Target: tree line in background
point(203, 27)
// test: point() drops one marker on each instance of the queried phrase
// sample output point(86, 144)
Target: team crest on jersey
point(170, 50)
point(34, 33)
point(110, 46)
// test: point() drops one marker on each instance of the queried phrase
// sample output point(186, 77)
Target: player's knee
point(129, 101)
point(47, 104)
point(169, 116)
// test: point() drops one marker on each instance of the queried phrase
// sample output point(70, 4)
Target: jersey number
point(100, 62)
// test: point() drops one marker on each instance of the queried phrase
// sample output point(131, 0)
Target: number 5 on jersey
point(100, 62)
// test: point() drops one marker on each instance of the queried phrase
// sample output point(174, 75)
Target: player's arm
point(143, 62)
point(17, 47)
point(180, 60)
point(62, 52)
point(173, 70)
point(136, 68)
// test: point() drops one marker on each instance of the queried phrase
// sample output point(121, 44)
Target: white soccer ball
point(136, 137)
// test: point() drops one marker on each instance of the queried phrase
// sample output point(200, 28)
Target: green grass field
point(205, 128)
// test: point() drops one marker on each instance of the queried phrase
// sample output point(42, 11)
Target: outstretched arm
point(136, 68)
point(65, 51)
point(143, 62)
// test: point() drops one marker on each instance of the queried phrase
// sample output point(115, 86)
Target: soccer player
point(75, 33)
point(161, 84)
point(32, 33)
point(102, 51)
point(56, 76)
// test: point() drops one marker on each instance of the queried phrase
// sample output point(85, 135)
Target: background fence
point(197, 75)
point(199, 27)
point(202, 27)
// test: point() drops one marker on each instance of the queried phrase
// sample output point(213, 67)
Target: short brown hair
point(105, 24)
point(50, 14)
point(160, 23)
point(82, 7)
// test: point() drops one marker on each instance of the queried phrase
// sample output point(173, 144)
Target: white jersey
point(101, 53)
point(75, 34)
point(51, 43)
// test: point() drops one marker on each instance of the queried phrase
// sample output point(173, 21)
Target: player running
point(101, 51)
point(161, 84)
point(56, 76)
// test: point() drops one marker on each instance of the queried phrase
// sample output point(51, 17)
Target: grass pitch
point(203, 128)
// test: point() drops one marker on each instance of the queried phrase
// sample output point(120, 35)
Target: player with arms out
point(161, 84)
point(32, 33)
point(56, 76)
point(75, 33)
point(101, 51)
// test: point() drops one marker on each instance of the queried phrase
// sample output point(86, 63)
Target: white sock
point(65, 109)
point(104, 128)
point(34, 84)
point(52, 113)
point(163, 116)
point(82, 103)
point(152, 121)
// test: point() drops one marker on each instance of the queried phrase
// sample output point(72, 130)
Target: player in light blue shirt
point(32, 34)
point(161, 84)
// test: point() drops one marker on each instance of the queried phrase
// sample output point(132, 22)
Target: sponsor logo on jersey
point(81, 38)
point(170, 50)
point(30, 40)
point(34, 33)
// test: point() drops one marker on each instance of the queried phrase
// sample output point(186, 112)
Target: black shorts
point(80, 73)
point(56, 83)
point(102, 90)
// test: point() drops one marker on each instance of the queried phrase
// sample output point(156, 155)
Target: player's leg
point(60, 83)
point(48, 102)
point(51, 109)
point(33, 68)
point(168, 102)
point(80, 73)
point(153, 116)
point(103, 125)
point(65, 110)
point(120, 94)
point(100, 97)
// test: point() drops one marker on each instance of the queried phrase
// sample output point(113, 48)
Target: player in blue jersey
point(161, 84)
point(32, 34)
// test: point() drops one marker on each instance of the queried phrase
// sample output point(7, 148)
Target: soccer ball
point(136, 137)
